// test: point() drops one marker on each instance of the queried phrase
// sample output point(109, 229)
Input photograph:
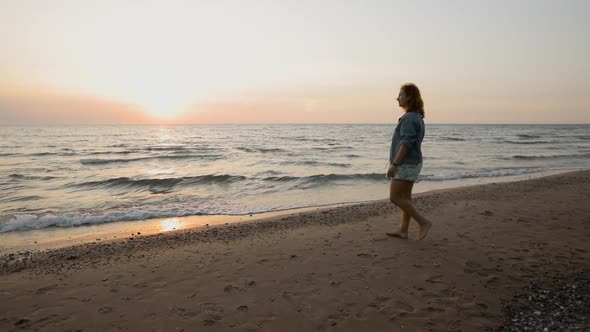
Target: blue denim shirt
point(409, 132)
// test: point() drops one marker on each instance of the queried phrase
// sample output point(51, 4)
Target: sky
point(292, 61)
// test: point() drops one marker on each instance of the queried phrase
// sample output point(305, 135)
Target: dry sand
point(328, 270)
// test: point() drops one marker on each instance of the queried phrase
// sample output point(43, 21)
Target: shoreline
point(324, 270)
point(59, 237)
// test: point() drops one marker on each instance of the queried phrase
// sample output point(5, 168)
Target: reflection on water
point(170, 224)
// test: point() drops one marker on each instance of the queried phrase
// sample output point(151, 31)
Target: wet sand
point(331, 269)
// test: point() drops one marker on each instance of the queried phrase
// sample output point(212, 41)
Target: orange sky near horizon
point(183, 62)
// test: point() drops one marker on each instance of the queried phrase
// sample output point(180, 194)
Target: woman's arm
point(401, 154)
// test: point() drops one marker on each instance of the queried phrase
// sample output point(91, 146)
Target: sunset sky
point(292, 61)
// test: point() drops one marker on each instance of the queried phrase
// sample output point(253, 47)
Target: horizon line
point(273, 123)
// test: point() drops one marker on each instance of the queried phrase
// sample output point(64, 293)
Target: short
point(409, 172)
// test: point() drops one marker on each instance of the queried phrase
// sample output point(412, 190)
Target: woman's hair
point(415, 103)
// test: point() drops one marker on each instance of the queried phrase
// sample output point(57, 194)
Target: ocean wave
point(74, 219)
point(268, 172)
point(322, 180)
point(321, 148)
point(167, 184)
point(20, 199)
point(481, 174)
point(526, 136)
point(453, 139)
point(526, 142)
point(181, 148)
point(555, 156)
point(308, 139)
point(109, 161)
point(30, 177)
point(262, 150)
point(167, 148)
point(61, 154)
point(316, 163)
point(128, 160)
point(325, 178)
point(94, 153)
point(158, 185)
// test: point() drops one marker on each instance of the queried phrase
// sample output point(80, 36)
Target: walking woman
point(405, 160)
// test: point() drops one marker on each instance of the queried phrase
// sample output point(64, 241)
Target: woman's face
point(402, 99)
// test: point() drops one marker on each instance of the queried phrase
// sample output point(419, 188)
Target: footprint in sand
point(23, 323)
point(46, 289)
point(432, 309)
point(471, 267)
point(435, 279)
point(211, 307)
point(403, 307)
point(211, 320)
point(184, 313)
point(492, 279)
point(211, 312)
point(230, 289)
point(105, 310)
point(482, 306)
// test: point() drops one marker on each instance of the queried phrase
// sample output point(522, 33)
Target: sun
point(161, 95)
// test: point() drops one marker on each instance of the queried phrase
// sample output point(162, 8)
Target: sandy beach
point(333, 269)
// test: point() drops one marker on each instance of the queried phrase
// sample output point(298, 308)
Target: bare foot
point(399, 234)
point(424, 230)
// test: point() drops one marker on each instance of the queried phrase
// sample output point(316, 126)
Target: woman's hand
point(391, 171)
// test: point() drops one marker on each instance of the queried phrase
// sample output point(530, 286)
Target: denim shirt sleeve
point(409, 129)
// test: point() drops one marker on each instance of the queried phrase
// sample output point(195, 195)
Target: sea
point(68, 176)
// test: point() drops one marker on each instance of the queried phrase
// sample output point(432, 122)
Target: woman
point(405, 160)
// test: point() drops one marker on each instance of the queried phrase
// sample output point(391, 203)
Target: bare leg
point(400, 194)
point(405, 221)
